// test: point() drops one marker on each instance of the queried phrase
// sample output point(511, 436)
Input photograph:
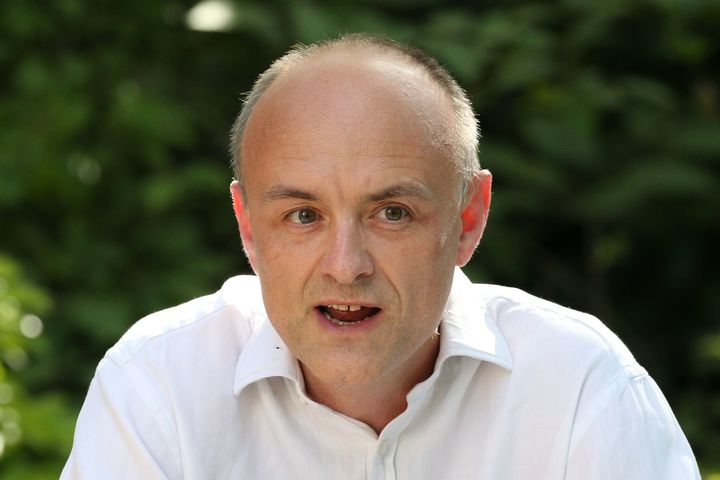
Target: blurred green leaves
point(31, 427)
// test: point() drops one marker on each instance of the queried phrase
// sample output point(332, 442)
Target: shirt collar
point(265, 355)
point(468, 329)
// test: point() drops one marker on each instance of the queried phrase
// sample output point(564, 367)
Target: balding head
point(391, 66)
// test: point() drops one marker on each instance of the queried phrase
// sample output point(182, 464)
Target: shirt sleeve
point(121, 432)
point(634, 436)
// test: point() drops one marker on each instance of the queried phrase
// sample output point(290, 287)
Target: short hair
point(464, 133)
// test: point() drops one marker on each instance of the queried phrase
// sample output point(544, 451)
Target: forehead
point(342, 81)
point(350, 102)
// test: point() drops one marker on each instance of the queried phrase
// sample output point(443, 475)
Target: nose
point(346, 258)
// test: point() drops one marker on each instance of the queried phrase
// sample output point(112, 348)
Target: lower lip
point(353, 328)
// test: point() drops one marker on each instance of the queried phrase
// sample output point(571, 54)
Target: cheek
point(434, 263)
point(276, 249)
point(284, 262)
point(424, 263)
point(277, 267)
point(441, 243)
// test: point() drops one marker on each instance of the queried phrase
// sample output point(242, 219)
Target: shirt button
point(382, 448)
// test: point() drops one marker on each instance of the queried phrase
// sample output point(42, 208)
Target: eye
point(393, 213)
point(303, 216)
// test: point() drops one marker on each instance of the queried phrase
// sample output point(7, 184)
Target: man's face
point(351, 217)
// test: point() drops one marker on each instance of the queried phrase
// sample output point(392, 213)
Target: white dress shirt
point(522, 389)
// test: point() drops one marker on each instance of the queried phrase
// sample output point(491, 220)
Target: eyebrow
point(281, 192)
point(402, 190)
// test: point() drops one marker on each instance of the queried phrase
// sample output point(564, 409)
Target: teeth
point(345, 308)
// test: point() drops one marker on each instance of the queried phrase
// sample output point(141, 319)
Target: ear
point(474, 215)
point(243, 220)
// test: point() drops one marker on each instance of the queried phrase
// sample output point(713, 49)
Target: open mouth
point(346, 315)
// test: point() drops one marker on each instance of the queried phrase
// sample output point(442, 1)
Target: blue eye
point(393, 213)
point(303, 216)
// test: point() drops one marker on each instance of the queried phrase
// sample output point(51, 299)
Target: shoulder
point(567, 361)
point(542, 333)
point(222, 320)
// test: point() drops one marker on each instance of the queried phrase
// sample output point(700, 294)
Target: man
point(359, 350)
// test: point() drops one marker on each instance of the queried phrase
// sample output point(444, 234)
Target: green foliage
point(34, 430)
point(601, 124)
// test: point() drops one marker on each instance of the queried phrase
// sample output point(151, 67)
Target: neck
point(376, 402)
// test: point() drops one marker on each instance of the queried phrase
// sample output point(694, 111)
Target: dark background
point(600, 122)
